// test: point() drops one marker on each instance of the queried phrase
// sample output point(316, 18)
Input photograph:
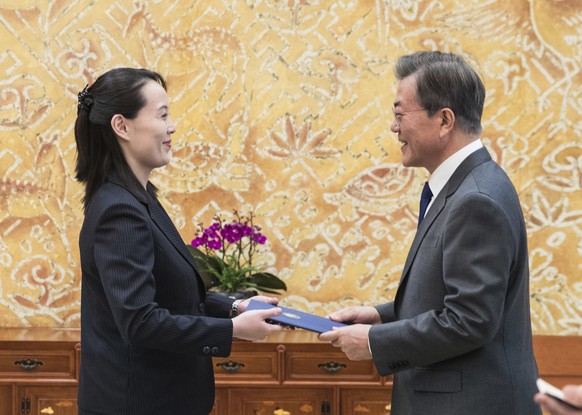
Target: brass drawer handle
point(28, 364)
point(230, 366)
point(332, 367)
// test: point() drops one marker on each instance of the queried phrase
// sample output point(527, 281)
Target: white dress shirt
point(443, 173)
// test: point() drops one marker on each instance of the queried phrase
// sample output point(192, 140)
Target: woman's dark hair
point(445, 80)
point(118, 91)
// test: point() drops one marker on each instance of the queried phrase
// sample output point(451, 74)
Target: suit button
point(206, 350)
point(202, 308)
point(215, 350)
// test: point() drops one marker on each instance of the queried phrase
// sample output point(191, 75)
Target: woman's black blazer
point(148, 328)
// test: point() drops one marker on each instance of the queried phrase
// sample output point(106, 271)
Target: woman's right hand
point(251, 325)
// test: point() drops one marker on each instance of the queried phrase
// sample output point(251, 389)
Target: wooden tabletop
point(28, 334)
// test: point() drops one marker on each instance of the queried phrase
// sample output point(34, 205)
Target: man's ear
point(447, 120)
point(119, 126)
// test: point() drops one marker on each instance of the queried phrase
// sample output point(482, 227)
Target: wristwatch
point(234, 308)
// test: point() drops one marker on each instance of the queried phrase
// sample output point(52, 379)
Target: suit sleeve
point(124, 255)
point(475, 257)
point(386, 312)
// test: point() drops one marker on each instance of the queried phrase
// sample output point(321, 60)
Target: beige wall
point(284, 107)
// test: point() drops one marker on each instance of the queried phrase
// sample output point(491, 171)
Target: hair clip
point(85, 101)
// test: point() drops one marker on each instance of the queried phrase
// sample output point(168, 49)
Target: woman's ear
point(119, 126)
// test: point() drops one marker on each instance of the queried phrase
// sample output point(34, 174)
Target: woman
point(148, 327)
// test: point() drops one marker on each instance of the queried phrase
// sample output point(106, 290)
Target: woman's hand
point(244, 304)
point(251, 325)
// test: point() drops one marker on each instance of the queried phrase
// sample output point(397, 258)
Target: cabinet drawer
point(247, 366)
point(332, 367)
point(37, 364)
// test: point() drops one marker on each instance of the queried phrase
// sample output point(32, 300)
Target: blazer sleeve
point(474, 255)
point(218, 305)
point(124, 252)
point(386, 312)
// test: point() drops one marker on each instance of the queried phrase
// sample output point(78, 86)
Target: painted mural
point(284, 108)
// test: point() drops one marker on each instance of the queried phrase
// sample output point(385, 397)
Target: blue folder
point(295, 318)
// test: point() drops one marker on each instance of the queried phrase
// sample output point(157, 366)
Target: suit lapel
point(164, 223)
point(161, 219)
point(478, 157)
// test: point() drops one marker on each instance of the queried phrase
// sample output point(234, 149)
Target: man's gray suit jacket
point(458, 334)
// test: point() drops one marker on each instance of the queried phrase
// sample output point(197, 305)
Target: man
point(457, 335)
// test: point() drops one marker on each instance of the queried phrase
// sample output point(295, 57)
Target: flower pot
point(237, 295)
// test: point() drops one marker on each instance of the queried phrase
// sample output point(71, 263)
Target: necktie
point(424, 201)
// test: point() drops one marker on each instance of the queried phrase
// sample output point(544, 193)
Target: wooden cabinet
point(294, 373)
point(6, 400)
point(289, 373)
point(54, 400)
point(248, 364)
point(280, 401)
point(38, 371)
point(559, 359)
point(365, 401)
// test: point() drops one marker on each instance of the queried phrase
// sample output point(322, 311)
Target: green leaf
point(265, 280)
point(216, 264)
point(228, 274)
point(268, 290)
point(208, 277)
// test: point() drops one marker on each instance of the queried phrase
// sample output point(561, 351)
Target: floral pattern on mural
point(283, 108)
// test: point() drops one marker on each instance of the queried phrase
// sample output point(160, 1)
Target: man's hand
point(361, 314)
point(352, 340)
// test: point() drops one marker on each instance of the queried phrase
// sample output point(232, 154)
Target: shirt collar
point(443, 173)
